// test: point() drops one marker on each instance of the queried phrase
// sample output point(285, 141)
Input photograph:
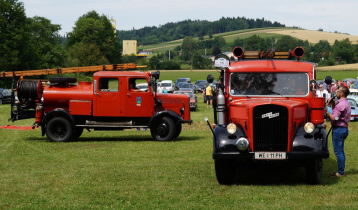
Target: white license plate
point(270, 155)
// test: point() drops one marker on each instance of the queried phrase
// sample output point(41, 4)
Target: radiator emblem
point(270, 115)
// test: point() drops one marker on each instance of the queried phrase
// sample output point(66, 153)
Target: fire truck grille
point(270, 128)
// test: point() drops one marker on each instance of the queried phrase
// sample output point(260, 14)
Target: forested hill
point(199, 28)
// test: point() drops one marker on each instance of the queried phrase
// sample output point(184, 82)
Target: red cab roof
point(270, 66)
point(121, 73)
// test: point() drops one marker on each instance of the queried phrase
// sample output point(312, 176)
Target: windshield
point(187, 85)
point(288, 84)
point(184, 92)
point(166, 85)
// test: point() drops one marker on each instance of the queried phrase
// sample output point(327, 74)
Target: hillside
point(316, 36)
point(309, 35)
point(196, 28)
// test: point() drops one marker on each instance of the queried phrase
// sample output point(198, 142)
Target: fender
point(225, 142)
point(166, 113)
point(55, 113)
point(314, 142)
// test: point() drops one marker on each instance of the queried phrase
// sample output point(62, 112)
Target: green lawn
point(128, 170)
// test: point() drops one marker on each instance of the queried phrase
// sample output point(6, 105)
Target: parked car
point(353, 94)
point(354, 109)
point(142, 86)
point(200, 86)
point(193, 101)
point(5, 96)
point(165, 86)
point(188, 86)
point(181, 80)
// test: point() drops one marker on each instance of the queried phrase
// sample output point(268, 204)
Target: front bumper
point(297, 155)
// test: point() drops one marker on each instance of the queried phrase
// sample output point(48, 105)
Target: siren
point(238, 52)
point(298, 52)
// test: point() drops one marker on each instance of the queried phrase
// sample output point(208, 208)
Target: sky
point(329, 15)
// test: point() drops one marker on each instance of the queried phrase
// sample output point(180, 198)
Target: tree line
point(35, 43)
point(196, 54)
point(196, 28)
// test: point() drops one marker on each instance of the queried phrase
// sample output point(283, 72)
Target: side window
point(108, 85)
point(138, 84)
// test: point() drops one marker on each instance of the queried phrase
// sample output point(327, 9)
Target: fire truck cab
point(266, 111)
point(63, 107)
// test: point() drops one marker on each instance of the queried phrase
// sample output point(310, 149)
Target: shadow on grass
point(280, 174)
point(119, 138)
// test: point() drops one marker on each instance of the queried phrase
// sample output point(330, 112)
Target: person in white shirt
point(322, 92)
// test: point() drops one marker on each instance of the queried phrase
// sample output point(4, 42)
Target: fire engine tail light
point(231, 128)
point(309, 127)
point(242, 144)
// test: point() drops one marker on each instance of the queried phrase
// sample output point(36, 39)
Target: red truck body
point(266, 110)
point(110, 102)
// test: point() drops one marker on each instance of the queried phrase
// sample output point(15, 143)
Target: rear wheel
point(59, 129)
point(314, 171)
point(225, 171)
point(164, 130)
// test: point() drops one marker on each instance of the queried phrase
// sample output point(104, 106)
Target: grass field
point(128, 170)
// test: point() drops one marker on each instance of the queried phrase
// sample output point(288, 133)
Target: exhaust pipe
point(220, 110)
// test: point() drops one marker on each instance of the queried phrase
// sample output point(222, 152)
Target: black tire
point(62, 80)
point(225, 171)
point(178, 130)
point(314, 171)
point(164, 130)
point(77, 132)
point(59, 129)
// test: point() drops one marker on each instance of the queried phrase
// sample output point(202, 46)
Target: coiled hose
point(27, 90)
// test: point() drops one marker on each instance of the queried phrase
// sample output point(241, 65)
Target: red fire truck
point(63, 107)
point(265, 111)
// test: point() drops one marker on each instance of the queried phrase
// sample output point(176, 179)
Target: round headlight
point(231, 128)
point(309, 127)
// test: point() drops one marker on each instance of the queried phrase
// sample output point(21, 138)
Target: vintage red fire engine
point(265, 111)
point(63, 107)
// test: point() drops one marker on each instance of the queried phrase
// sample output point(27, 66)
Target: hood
point(241, 109)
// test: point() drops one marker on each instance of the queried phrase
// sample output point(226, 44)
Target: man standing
point(340, 117)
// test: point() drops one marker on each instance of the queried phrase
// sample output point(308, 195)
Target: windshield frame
point(274, 95)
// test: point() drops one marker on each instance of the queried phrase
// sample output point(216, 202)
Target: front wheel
point(59, 129)
point(178, 130)
point(225, 171)
point(314, 171)
point(164, 130)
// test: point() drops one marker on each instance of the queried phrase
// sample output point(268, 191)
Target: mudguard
point(225, 142)
point(315, 142)
point(166, 113)
point(55, 113)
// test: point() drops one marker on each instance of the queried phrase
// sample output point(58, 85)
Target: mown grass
point(128, 170)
